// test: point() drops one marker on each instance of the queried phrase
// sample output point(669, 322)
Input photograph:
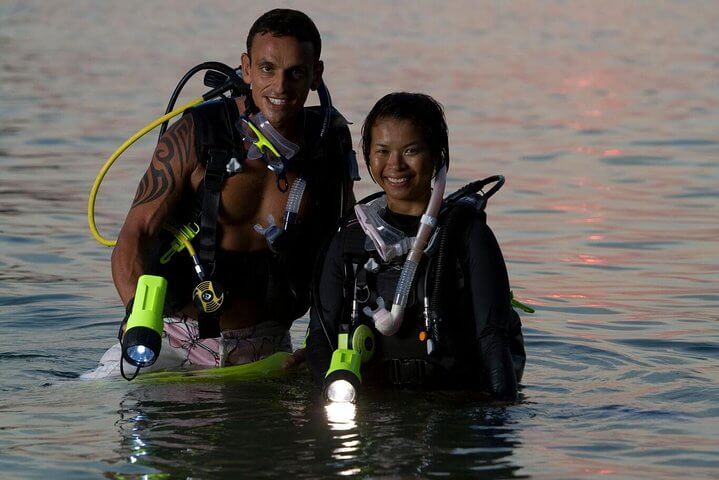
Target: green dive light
point(343, 378)
point(143, 334)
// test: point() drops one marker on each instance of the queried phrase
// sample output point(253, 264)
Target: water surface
point(603, 117)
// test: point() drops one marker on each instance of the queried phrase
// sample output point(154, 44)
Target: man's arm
point(160, 190)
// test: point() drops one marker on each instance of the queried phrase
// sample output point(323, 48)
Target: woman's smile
point(401, 164)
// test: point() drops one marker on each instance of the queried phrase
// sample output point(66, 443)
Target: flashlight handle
point(345, 360)
point(149, 303)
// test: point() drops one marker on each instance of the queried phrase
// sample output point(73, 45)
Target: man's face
point(281, 71)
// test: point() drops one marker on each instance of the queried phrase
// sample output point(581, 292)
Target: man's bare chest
point(249, 196)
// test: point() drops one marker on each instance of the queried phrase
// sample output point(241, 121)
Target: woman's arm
point(486, 273)
point(326, 310)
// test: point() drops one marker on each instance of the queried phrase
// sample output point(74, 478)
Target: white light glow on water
point(341, 416)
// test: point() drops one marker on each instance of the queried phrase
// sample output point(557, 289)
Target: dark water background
point(603, 116)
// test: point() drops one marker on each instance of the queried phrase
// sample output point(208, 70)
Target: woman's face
point(401, 164)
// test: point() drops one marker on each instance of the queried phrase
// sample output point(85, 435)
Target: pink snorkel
point(389, 322)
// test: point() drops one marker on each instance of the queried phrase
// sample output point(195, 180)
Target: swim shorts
point(182, 347)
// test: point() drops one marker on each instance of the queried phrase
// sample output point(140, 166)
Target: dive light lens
point(141, 346)
point(141, 355)
point(341, 391)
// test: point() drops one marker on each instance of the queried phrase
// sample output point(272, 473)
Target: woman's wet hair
point(423, 111)
point(284, 22)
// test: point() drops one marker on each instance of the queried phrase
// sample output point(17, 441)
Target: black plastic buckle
point(407, 372)
point(208, 326)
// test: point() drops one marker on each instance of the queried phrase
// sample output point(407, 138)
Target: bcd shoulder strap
point(217, 143)
point(331, 161)
point(353, 257)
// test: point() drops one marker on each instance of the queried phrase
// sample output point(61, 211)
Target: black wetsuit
point(480, 340)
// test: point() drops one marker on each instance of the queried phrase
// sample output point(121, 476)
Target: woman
point(451, 324)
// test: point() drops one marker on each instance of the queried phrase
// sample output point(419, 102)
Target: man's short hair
point(283, 22)
point(423, 111)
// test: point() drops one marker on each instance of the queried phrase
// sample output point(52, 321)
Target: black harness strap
point(214, 176)
point(220, 148)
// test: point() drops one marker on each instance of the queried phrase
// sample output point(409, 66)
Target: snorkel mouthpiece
point(143, 335)
point(272, 232)
point(382, 318)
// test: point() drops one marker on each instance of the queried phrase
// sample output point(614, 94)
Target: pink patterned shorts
point(182, 347)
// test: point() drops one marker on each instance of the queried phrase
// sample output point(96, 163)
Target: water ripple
point(706, 349)
point(679, 142)
point(636, 160)
point(607, 220)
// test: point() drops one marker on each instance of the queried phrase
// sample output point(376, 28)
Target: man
point(263, 281)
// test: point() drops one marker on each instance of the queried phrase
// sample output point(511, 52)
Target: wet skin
point(281, 71)
point(401, 164)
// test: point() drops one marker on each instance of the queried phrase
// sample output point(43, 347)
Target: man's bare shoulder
point(173, 162)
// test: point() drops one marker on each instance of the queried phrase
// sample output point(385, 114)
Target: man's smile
point(277, 101)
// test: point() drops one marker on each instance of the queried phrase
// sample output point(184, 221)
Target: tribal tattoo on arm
point(169, 164)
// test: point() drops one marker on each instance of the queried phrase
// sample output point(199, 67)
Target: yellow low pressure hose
point(111, 160)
